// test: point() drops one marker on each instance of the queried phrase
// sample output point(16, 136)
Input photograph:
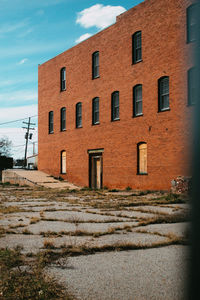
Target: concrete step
point(34, 177)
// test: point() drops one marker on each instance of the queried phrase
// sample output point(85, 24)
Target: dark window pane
point(191, 23)
point(95, 110)
point(137, 100)
point(137, 47)
point(63, 79)
point(115, 106)
point(163, 93)
point(63, 119)
point(79, 115)
point(95, 65)
point(138, 108)
point(51, 122)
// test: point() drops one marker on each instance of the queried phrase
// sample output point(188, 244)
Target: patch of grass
point(159, 219)
point(49, 244)
point(84, 249)
point(34, 220)
point(10, 209)
point(26, 231)
point(113, 190)
point(21, 279)
point(128, 188)
point(17, 225)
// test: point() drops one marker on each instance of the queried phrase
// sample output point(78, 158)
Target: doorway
point(95, 170)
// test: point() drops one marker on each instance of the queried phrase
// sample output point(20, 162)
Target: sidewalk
point(34, 177)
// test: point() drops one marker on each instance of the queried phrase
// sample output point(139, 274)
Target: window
point(136, 47)
point(191, 86)
point(137, 100)
point(115, 106)
point(63, 162)
point(95, 111)
point(142, 158)
point(79, 115)
point(191, 23)
point(95, 65)
point(163, 93)
point(51, 122)
point(63, 79)
point(63, 119)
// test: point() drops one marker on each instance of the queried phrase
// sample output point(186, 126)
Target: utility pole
point(27, 136)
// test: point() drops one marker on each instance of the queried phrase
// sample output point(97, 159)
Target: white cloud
point(99, 15)
point(24, 60)
point(17, 97)
point(83, 37)
point(14, 113)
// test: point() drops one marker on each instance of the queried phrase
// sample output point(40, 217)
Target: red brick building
point(115, 110)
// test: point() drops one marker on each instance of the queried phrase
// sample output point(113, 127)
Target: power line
point(17, 120)
point(18, 146)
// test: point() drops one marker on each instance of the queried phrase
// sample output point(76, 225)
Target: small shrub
point(128, 188)
point(113, 190)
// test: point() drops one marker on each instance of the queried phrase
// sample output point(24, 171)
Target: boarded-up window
point(63, 162)
point(142, 158)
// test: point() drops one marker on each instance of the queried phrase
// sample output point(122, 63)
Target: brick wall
point(167, 134)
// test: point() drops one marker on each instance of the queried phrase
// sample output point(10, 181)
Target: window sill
point(95, 77)
point(190, 41)
point(142, 174)
point(63, 173)
point(139, 115)
point(62, 130)
point(51, 132)
point(163, 110)
point(78, 127)
point(63, 90)
point(136, 62)
point(97, 123)
point(118, 119)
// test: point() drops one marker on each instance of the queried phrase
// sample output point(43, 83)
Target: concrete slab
point(153, 274)
point(34, 177)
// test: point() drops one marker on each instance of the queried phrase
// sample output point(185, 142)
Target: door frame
point(91, 155)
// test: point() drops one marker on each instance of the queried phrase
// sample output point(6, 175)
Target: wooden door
point(95, 172)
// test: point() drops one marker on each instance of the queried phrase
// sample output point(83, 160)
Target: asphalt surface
point(149, 274)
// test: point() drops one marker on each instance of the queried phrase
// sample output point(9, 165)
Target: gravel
point(151, 274)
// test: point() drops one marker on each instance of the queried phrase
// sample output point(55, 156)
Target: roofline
point(118, 19)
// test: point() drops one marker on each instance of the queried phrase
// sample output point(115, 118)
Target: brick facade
point(164, 53)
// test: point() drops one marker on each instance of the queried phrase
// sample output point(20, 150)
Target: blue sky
point(32, 32)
